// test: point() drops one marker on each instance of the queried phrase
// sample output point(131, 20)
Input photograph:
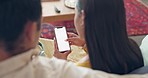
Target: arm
point(69, 70)
point(79, 72)
point(77, 41)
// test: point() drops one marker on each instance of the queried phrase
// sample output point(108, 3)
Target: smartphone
point(61, 36)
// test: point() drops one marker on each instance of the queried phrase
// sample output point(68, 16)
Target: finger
point(67, 53)
point(70, 39)
point(72, 34)
point(70, 43)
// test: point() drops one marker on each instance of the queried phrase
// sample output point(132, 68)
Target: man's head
point(19, 24)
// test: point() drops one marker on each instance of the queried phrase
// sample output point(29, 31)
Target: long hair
point(107, 41)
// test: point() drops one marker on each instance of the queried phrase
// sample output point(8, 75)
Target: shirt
point(30, 65)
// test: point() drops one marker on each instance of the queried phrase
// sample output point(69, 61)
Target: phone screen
point(61, 36)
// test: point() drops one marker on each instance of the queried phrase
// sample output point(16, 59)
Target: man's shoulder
point(48, 67)
point(49, 62)
point(60, 68)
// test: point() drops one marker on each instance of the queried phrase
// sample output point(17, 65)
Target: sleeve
point(69, 70)
point(72, 71)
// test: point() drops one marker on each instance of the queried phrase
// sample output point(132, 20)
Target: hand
point(59, 55)
point(75, 40)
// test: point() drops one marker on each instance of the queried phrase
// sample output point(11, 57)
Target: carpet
point(137, 17)
point(47, 29)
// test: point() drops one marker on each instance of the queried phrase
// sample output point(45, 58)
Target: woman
point(102, 24)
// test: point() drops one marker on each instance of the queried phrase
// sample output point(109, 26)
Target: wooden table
point(49, 14)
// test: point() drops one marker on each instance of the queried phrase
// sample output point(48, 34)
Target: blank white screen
point(61, 36)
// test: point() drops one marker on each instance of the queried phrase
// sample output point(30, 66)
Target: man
point(19, 34)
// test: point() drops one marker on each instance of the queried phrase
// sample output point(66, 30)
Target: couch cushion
point(142, 70)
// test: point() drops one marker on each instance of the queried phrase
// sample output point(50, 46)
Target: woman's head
point(79, 19)
point(106, 36)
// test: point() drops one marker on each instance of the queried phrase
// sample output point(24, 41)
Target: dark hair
point(108, 45)
point(14, 14)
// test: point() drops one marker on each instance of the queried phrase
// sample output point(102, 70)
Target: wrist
point(85, 48)
point(63, 57)
point(83, 43)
